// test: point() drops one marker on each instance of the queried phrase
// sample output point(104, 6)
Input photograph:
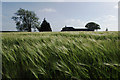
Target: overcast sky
point(59, 14)
point(0, 15)
point(59, 0)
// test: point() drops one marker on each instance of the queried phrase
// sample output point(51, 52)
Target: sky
point(59, 14)
point(0, 15)
point(59, 0)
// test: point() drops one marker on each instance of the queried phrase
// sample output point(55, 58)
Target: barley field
point(61, 55)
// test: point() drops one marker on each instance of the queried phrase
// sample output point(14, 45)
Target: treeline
point(27, 20)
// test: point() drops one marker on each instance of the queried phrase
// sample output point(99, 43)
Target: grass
point(61, 55)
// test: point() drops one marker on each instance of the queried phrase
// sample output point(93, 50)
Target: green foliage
point(61, 55)
point(92, 25)
point(25, 20)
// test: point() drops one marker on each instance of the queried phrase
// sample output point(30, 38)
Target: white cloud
point(77, 23)
point(116, 6)
point(110, 18)
point(47, 10)
point(33, 0)
point(108, 21)
point(60, 0)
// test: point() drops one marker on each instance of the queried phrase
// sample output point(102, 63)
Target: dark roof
point(73, 29)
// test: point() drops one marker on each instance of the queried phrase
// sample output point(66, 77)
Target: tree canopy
point(92, 26)
point(45, 26)
point(25, 20)
point(106, 29)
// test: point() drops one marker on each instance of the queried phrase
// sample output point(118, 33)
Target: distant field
point(61, 55)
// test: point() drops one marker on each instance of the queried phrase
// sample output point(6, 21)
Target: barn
point(73, 29)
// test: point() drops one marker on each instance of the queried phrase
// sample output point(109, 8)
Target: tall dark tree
point(25, 20)
point(106, 29)
point(92, 26)
point(45, 26)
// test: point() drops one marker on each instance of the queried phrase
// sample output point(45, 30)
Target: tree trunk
point(29, 28)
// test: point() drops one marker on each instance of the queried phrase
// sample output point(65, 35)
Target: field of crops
point(61, 55)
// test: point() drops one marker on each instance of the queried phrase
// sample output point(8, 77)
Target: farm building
point(73, 29)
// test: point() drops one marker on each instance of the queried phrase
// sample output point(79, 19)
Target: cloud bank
point(60, 0)
point(47, 10)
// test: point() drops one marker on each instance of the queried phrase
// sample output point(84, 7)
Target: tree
point(45, 26)
point(92, 26)
point(106, 29)
point(25, 20)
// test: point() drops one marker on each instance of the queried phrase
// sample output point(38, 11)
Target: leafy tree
point(25, 20)
point(92, 26)
point(45, 26)
point(106, 29)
